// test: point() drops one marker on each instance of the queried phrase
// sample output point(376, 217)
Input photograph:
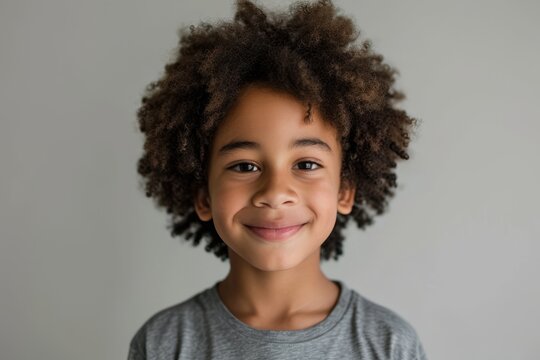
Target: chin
point(276, 263)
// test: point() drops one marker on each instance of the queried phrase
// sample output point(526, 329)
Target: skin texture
point(275, 285)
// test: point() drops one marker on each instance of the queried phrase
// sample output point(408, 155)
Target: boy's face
point(269, 183)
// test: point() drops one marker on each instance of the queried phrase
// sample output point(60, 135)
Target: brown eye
point(311, 165)
point(243, 167)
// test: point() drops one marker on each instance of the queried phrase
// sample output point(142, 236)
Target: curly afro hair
point(309, 52)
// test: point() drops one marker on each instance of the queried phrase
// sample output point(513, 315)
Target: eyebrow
point(304, 142)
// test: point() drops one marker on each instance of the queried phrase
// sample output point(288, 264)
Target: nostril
point(274, 197)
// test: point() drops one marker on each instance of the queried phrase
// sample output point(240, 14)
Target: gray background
point(85, 257)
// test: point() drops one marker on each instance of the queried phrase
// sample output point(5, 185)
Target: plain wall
point(85, 257)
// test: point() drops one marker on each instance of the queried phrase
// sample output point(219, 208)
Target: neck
point(251, 292)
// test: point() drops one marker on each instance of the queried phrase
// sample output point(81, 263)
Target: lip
point(275, 234)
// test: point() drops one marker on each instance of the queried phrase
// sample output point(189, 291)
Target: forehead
point(267, 116)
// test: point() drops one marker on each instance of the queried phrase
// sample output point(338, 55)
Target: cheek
point(226, 199)
point(322, 198)
point(323, 191)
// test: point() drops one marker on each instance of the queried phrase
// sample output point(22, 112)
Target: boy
point(266, 135)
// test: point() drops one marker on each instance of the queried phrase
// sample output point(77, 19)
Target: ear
point(346, 198)
point(202, 205)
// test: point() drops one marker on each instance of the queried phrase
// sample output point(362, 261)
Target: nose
point(275, 190)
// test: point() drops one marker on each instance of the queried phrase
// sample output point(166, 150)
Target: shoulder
point(386, 331)
point(381, 319)
point(163, 328)
point(185, 311)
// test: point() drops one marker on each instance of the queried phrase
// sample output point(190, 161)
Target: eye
point(311, 165)
point(243, 167)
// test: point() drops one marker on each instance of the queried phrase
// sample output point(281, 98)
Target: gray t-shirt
point(202, 327)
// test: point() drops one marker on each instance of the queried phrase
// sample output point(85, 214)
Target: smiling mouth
point(275, 234)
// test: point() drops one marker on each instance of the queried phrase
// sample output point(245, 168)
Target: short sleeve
point(137, 349)
point(134, 354)
point(421, 354)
